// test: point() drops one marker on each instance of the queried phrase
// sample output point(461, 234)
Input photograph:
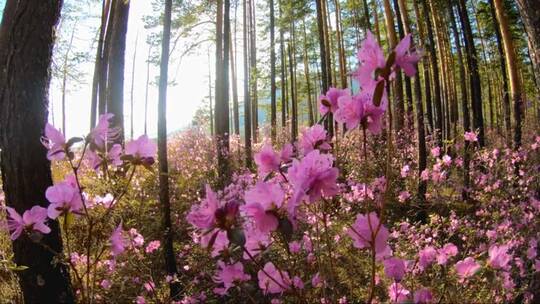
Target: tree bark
point(26, 45)
point(116, 63)
point(247, 96)
point(232, 52)
point(273, 114)
point(512, 66)
point(98, 63)
point(131, 99)
point(472, 63)
point(164, 199)
point(253, 71)
point(530, 15)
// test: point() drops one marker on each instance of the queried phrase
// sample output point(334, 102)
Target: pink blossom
point(112, 157)
point(295, 247)
point(370, 57)
point(449, 250)
point(286, 153)
point(203, 215)
point(423, 296)
point(137, 240)
point(64, 198)
point(330, 100)
point(373, 117)
point(350, 112)
point(314, 176)
point(55, 142)
point(267, 160)
point(221, 241)
point(427, 256)
point(394, 268)
point(140, 300)
point(314, 138)
point(405, 171)
point(228, 275)
point(435, 152)
point(467, 267)
point(256, 241)
point(369, 232)
point(31, 220)
point(273, 280)
point(101, 134)
point(470, 136)
point(317, 281)
point(260, 201)
point(403, 196)
point(499, 257)
point(142, 149)
point(397, 293)
point(406, 59)
point(152, 246)
point(106, 284)
point(118, 241)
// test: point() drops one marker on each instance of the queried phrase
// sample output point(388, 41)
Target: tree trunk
point(511, 63)
point(103, 89)
point(341, 48)
point(425, 67)
point(115, 81)
point(132, 86)
point(146, 92)
point(64, 79)
point(434, 67)
point(472, 63)
point(408, 85)
point(530, 15)
point(164, 200)
point(294, 104)
point(253, 69)
point(26, 174)
point(366, 16)
point(98, 64)
point(247, 96)
point(308, 78)
point(273, 114)
point(235, 110)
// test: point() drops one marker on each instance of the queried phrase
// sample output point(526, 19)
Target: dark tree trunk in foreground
point(472, 62)
point(273, 108)
point(164, 200)
point(116, 63)
point(26, 174)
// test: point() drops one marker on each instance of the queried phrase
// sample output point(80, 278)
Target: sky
point(183, 99)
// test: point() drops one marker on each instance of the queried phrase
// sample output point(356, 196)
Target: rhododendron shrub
point(320, 220)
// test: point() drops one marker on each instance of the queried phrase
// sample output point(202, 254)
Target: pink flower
point(64, 198)
point(370, 57)
point(112, 157)
point(286, 153)
point(467, 267)
point(118, 241)
point(228, 275)
point(435, 152)
point(140, 300)
point(405, 171)
point(203, 215)
point(295, 247)
point(260, 201)
point(449, 250)
point(369, 232)
point(330, 100)
point(267, 160)
point(373, 116)
point(394, 268)
point(403, 196)
point(405, 58)
point(101, 134)
point(256, 241)
point(106, 284)
point(397, 293)
point(423, 296)
point(55, 142)
point(31, 220)
point(142, 149)
point(273, 280)
point(152, 246)
point(314, 138)
point(499, 257)
point(470, 136)
point(351, 111)
point(221, 241)
point(315, 176)
point(427, 256)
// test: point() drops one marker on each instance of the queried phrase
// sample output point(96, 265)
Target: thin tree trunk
point(210, 97)
point(64, 78)
point(132, 86)
point(253, 69)
point(146, 91)
point(366, 16)
point(308, 78)
point(235, 110)
point(341, 49)
point(26, 174)
point(434, 68)
point(247, 96)
point(425, 66)
point(530, 15)
point(408, 86)
point(283, 73)
point(164, 200)
point(472, 62)
point(98, 63)
point(273, 107)
point(115, 81)
point(103, 79)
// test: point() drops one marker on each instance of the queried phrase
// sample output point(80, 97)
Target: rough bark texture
point(116, 63)
point(26, 43)
point(530, 14)
point(164, 200)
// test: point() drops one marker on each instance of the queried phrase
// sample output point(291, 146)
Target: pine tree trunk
point(273, 107)
point(434, 67)
point(253, 69)
point(98, 63)
point(308, 78)
point(247, 96)
point(164, 200)
point(235, 109)
point(512, 66)
point(366, 16)
point(116, 60)
point(131, 99)
point(26, 174)
point(472, 63)
point(408, 85)
point(64, 78)
point(425, 67)
point(146, 91)
point(530, 15)
point(104, 69)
